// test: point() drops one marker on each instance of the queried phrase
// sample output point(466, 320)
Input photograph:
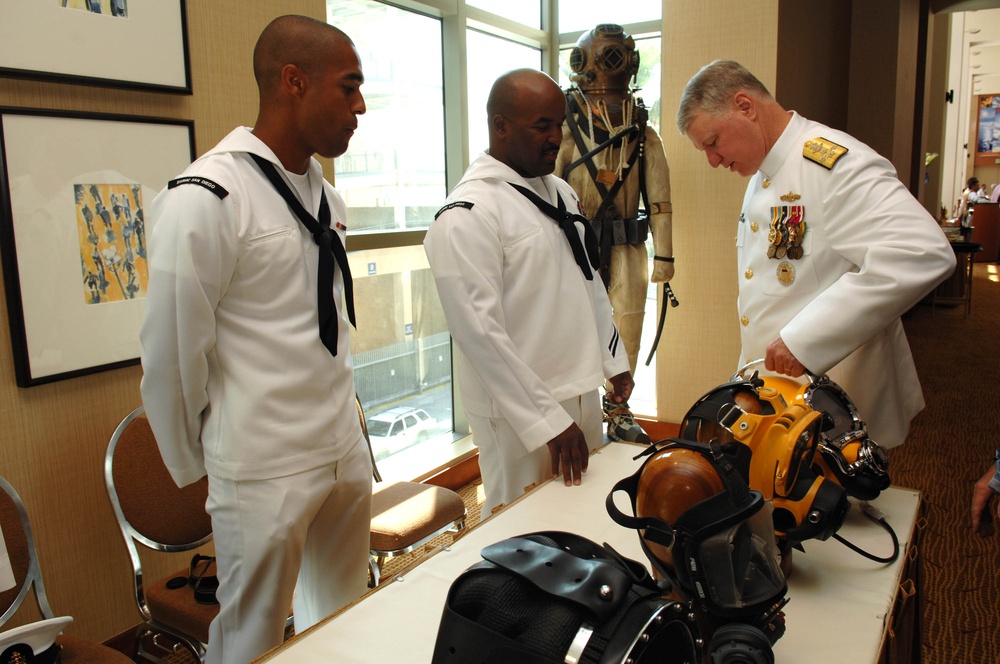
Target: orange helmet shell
point(672, 481)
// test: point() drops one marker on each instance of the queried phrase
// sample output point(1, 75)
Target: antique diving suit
point(616, 164)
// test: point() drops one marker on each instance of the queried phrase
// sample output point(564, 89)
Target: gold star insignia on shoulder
point(823, 152)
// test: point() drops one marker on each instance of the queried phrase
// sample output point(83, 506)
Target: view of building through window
point(393, 178)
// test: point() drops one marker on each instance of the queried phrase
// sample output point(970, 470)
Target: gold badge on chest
point(786, 273)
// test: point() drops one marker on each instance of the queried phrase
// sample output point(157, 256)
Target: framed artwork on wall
point(140, 44)
point(74, 188)
point(987, 130)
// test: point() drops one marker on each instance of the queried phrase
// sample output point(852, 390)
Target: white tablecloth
point(837, 613)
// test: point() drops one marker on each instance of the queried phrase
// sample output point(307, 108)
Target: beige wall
point(54, 436)
point(701, 343)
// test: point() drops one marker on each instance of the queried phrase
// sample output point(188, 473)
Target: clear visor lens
point(741, 563)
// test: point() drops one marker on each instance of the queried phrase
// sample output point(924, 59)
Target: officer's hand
point(780, 360)
point(569, 450)
point(621, 387)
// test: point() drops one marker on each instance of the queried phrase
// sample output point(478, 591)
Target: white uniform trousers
point(507, 467)
point(306, 534)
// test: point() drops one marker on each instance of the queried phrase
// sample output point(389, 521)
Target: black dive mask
point(724, 551)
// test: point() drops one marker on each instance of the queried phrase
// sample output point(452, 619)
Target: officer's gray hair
point(712, 90)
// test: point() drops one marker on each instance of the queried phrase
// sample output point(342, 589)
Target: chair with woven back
point(154, 513)
point(406, 515)
point(20, 544)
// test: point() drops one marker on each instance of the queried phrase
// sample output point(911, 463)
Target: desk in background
point(986, 231)
point(957, 289)
point(840, 607)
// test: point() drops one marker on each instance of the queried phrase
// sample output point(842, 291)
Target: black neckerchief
point(586, 258)
point(330, 250)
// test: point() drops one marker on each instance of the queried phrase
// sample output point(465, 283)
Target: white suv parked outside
point(396, 429)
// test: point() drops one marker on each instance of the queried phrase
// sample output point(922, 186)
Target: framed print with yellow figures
point(139, 44)
point(74, 190)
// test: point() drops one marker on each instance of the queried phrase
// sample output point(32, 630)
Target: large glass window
point(580, 15)
point(393, 175)
point(489, 57)
point(525, 12)
point(402, 362)
point(393, 179)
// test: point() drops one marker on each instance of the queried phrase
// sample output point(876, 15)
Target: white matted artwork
point(124, 43)
point(73, 230)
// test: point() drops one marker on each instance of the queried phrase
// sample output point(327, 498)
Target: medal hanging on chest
point(796, 231)
point(788, 228)
point(777, 235)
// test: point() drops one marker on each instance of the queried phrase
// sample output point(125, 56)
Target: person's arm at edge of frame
point(982, 491)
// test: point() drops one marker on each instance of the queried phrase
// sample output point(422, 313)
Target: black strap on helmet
point(732, 502)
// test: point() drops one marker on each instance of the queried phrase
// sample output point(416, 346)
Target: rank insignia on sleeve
point(823, 152)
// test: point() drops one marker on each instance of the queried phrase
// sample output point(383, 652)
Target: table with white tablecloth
point(839, 609)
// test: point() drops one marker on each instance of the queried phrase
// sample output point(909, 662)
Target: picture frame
point(987, 152)
point(138, 44)
point(73, 190)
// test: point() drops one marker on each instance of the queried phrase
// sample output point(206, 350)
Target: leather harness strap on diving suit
point(633, 231)
point(610, 227)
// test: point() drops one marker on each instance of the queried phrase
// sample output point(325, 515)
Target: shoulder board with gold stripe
point(823, 152)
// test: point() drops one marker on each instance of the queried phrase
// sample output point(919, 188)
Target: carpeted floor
point(950, 446)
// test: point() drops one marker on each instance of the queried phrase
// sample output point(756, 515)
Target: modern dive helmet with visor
point(846, 453)
point(773, 445)
point(804, 446)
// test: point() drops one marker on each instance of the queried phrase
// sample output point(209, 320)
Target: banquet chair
point(406, 515)
point(153, 512)
point(28, 577)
